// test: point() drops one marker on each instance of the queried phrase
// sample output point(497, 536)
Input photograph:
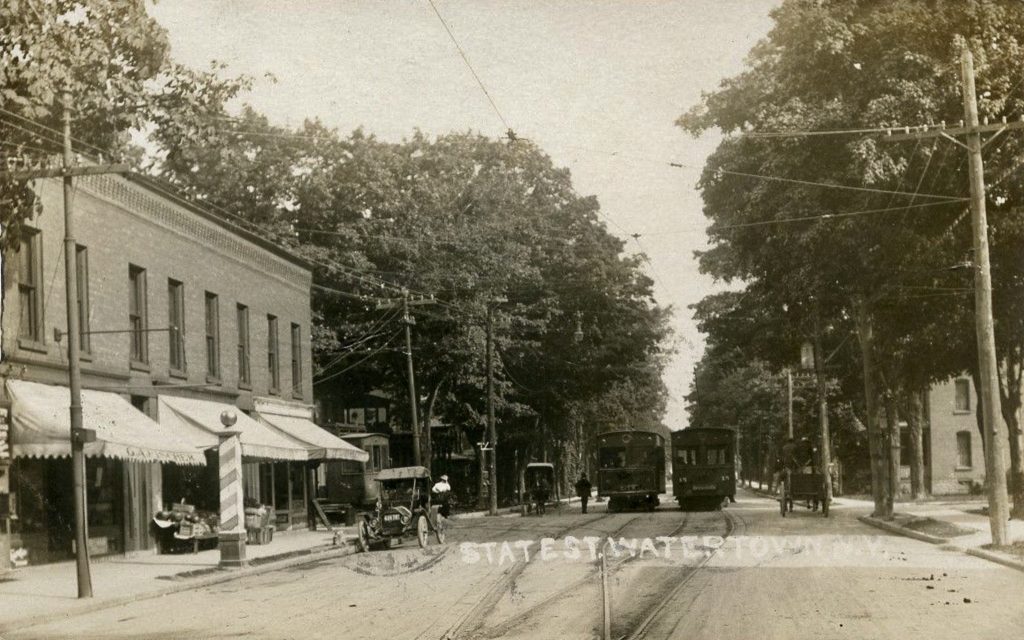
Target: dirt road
point(743, 572)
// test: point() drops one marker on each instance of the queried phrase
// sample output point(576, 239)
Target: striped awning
point(199, 421)
point(320, 444)
point(41, 427)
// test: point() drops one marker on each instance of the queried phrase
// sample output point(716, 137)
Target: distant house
point(954, 457)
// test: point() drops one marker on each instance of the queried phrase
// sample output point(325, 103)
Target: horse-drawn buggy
point(801, 479)
point(540, 481)
point(403, 509)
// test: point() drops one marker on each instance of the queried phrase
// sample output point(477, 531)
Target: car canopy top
point(540, 465)
point(403, 473)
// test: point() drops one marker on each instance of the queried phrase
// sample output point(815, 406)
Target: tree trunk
point(915, 425)
point(892, 423)
point(428, 417)
point(876, 444)
point(1010, 404)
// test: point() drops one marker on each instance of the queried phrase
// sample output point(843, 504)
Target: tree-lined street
point(738, 573)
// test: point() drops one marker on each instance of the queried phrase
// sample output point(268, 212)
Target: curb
point(903, 531)
point(995, 557)
point(943, 543)
point(179, 585)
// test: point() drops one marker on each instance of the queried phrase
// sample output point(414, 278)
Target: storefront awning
point(199, 420)
point(41, 427)
point(320, 444)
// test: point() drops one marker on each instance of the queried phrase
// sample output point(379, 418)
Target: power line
point(465, 59)
point(354, 365)
point(56, 131)
point(840, 186)
point(826, 216)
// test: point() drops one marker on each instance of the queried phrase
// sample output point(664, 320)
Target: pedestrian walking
point(583, 490)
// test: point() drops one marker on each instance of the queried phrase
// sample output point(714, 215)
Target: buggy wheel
point(824, 507)
point(363, 536)
point(421, 531)
point(439, 526)
point(782, 505)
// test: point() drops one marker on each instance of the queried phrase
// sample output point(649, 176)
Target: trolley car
point(703, 467)
point(631, 469)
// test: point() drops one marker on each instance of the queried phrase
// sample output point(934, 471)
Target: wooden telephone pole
point(79, 435)
point(995, 466)
point(409, 322)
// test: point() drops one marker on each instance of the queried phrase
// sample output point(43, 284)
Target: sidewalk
point(949, 523)
point(33, 594)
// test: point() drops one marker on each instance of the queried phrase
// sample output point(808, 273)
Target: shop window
point(82, 284)
point(137, 320)
point(273, 362)
point(30, 285)
point(963, 449)
point(176, 324)
point(296, 361)
point(242, 316)
point(212, 336)
point(962, 400)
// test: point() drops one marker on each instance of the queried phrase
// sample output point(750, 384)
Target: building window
point(962, 401)
point(82, 284)
point(273, 362)
point(963, 449)
point(296, 361)
point(212, 336)
point(30, 286)
point(137, 320)
point(176, 324)
point(242, 316)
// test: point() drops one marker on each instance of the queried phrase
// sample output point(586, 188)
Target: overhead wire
point(334, 375)
point(469, 66)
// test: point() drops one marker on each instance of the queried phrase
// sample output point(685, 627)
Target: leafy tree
point(860, 253)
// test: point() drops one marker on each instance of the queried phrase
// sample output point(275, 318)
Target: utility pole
point(79, 435)
point(995, 474)
point(789, 400)
point(995, 467)
point(409, 322)
point(491, 434)
point(819, 370)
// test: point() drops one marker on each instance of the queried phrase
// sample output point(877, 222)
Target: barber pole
point(231, 533)
point(230, 454)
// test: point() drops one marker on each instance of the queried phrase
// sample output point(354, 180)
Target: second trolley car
point(631, 469)
point(703, 467)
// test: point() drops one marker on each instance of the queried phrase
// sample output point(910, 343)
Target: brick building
point(183, 315)
point(954, 455)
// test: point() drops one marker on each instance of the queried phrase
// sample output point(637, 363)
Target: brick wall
point(948, 476)
point(122, 222)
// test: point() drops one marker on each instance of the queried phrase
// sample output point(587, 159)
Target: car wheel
point(439, 529)
point(421, 531)
point(363, 537)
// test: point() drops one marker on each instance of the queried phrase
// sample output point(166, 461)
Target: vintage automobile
point(403, 509)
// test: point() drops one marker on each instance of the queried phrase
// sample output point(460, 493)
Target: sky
point(596, 84)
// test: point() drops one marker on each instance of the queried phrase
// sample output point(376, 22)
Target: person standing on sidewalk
point(583, 490)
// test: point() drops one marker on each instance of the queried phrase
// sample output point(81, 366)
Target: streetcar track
point(504, 627)
point(640, 631)
point(494, 593)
